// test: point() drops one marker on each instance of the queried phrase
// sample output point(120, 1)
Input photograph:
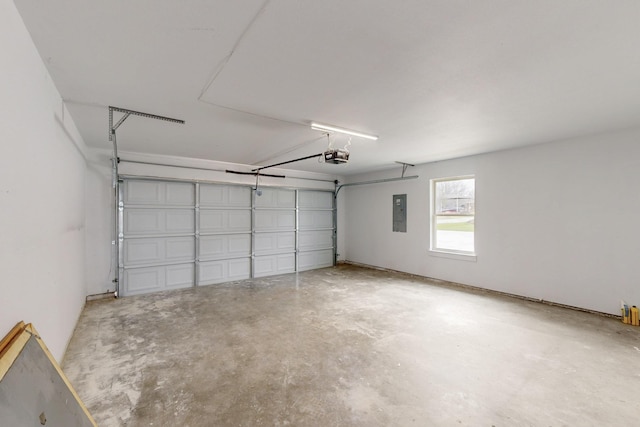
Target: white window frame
point(446, 252)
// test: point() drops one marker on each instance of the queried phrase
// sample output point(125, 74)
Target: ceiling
point(434, 79)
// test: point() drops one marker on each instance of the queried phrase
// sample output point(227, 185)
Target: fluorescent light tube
point(327, 128)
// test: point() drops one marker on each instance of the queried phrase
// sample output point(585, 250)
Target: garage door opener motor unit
point(336, 156)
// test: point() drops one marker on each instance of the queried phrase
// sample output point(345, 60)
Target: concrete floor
point(350, 346)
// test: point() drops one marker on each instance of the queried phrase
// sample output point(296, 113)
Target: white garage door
point(224, 230)
point(178, 234)
point(316, 230)
point(158, 247)
point(275, 232)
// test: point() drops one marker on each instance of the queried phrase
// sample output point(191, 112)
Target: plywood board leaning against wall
point(33, 388)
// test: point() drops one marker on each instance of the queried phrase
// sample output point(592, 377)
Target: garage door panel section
point(143, 251)
point(158, 250)
point(316, 230)
point(158, 244)
point(273, 220)
point(183, 248)
point(158, 193)
point(315, 259)
point(274, 264)
point(225, 196)
point(316, 239)
point(179, 276)
point(143, 192)
point(275, 198)
point(161, 221)
point(143, 280)
point(153, 279)
point(275, 232)
point(180, 221)
point(225, 246)
point(315, 200)
point(310, 220)
point(179, 194)
point(224, 221)
point(220, 271)
point(273, 243)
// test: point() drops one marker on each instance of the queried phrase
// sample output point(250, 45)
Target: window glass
point(453, 214)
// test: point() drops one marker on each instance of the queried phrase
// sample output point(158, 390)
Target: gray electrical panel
point(400, 213)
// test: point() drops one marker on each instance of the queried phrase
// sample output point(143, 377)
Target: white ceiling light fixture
point(329, 128)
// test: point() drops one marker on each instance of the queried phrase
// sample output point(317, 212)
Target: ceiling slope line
point(216, 71)
point(251, 113)
point(223, 63)
point(84, 103)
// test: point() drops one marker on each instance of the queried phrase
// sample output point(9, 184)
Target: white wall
point(557, 222)
point(42, 170)
point(100, 253)
point(100, 199)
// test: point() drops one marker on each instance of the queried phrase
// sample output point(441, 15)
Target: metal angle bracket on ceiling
point(118, 240)
point(404, 167)
point(127, 113)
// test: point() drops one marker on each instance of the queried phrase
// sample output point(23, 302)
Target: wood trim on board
point(12, 345)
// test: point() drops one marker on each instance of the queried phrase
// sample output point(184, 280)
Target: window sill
point(453, 255)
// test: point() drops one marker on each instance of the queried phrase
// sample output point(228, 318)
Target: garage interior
point(283, 212)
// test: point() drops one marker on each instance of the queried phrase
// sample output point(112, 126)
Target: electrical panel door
point(400, 213)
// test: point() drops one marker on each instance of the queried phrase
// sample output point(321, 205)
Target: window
point(453, 209)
